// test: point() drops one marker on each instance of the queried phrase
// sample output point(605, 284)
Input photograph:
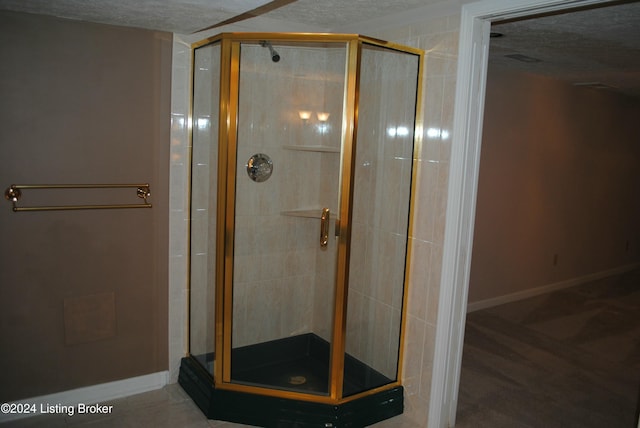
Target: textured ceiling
point(179, 16)
point(188, 16)
point(330, 14)
point(600, 46)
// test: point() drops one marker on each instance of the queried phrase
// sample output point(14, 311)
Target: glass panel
point(290, 116)
point(206, 96)
point(380, 217)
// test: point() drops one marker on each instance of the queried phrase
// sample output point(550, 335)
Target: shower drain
point(297, 380)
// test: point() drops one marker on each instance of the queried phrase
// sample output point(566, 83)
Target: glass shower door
point(383, 175)
point(202, 303)
point(286, 196)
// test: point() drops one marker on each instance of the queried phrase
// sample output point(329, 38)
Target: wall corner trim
point(92, 394)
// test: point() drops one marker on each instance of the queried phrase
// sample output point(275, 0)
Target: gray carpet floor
point(570, 358)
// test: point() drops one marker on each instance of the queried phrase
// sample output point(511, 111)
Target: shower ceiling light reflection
point(203, 122)
point(435, 133)
point(177, 120)
point(398, 131)
point(323, 128)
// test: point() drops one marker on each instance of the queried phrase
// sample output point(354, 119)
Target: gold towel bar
point(13, 194)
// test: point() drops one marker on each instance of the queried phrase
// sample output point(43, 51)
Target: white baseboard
point(91, 394)
point(512, 297)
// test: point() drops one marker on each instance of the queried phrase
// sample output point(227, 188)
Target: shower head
point(274, 55)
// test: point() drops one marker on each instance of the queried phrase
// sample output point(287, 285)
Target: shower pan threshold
point(299, 364)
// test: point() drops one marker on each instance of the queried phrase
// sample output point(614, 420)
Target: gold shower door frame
point(225, 229)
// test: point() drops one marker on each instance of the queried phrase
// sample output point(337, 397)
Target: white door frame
point(473, 49)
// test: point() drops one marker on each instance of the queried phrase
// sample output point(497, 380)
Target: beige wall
point(83, 294)
point(558, 180)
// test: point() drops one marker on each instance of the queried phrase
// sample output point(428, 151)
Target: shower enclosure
point(303, 162)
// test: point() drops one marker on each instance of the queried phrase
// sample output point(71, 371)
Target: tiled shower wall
point(279, 266)
point(206, 94)
point(179, 205)
point(437, 35)
point(282, 279)
point(381, 197)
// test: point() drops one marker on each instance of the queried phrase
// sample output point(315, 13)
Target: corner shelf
point(323, 149)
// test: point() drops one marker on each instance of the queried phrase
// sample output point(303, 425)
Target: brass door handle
point(324, 227)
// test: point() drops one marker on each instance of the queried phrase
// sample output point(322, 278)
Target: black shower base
point(297, 364)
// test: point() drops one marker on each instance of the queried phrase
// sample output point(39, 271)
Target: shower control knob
point(259, 167)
